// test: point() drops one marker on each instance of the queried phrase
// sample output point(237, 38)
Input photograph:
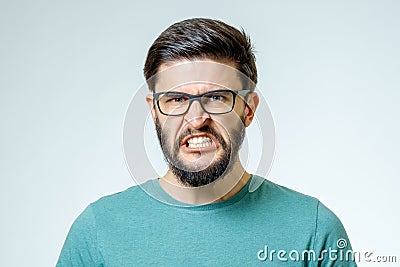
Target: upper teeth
point(199, 141)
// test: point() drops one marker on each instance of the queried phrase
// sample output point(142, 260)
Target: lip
point(215, 143)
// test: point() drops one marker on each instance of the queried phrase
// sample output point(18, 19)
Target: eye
point(174, 98)
point(216, 97)
point(177, 99)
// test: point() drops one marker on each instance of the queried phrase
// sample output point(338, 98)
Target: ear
point(150, 102)
point(251, 106)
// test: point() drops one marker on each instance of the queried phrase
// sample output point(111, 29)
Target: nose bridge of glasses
point(195, 106)
point(196, 115)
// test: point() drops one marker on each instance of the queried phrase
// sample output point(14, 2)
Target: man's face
point(201, 147)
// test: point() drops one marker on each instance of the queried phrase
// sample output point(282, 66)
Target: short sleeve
point(80, 247)
point(331, 241)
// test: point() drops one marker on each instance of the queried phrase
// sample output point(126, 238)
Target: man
point(202, 212)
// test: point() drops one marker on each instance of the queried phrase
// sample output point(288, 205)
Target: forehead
point(197, 76)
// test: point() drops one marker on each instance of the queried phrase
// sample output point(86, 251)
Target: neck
point(222, 189)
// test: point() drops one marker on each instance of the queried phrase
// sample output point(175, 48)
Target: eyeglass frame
point(192, 98)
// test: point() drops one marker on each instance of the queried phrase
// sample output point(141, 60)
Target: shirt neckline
point(154, 190)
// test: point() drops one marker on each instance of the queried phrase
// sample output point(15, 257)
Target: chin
point(199, 164)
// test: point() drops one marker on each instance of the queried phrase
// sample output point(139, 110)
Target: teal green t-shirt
point(270, 226)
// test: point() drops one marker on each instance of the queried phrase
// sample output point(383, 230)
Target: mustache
point(205, 129)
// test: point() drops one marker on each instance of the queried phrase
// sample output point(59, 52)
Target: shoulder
point(293, 204)
point(105, 204)
point(124, 195)
point(304, 210)
point(130, 198)
point(283, 197)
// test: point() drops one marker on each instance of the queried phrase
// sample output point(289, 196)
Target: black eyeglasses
point(212, 102)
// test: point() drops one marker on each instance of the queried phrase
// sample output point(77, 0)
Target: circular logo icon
point(341, 243)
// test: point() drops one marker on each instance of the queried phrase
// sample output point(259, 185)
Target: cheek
point(239, 108)
point(226, 125)
point(170, 128)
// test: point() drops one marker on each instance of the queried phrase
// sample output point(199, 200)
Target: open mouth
point(200, 142)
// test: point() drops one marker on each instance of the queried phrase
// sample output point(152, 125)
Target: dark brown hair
point(199, 38)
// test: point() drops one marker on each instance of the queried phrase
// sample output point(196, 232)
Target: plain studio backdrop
point(68, 70)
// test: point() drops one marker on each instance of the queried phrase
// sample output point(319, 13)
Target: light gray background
point(68, 70)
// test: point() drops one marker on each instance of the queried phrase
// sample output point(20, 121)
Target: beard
point(212, 172)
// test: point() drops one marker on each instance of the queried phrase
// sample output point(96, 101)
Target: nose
point(196, 116)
